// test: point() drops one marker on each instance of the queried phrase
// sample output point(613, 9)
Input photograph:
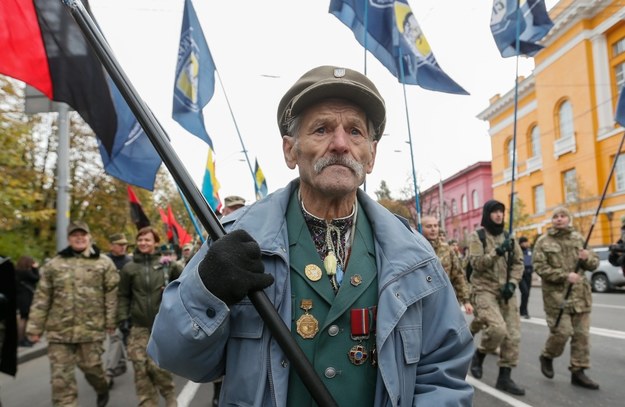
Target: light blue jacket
point(424, 345)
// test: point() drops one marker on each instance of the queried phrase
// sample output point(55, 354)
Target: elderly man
point(560, 259)
point(365, 297)
point(75, 304)
point(231, 204)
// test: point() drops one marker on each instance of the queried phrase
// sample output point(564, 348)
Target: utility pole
point(62, 177)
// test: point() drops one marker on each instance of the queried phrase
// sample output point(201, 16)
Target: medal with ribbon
point(362, 320)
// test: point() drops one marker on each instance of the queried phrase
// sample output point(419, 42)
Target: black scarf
point(488, 224)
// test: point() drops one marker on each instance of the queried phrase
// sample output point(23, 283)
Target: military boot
point(579, 378)
point(476, 364)
point(103, 399)
point(505, 383)
point(546, 366)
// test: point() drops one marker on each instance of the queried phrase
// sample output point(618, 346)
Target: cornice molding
point(525, 86)
point(576, 11)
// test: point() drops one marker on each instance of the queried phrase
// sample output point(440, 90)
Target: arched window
point(476, 199)
point(535, 142)
point(509, 153)
point(565, 120)
point(454, 207)
point(464, 203)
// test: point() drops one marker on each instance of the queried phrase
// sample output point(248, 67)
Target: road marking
point(608, 306)
point(188, 393)
point(495, 393)
point(608, 333)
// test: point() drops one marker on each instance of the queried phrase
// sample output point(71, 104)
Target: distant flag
point(194, 84)
point(210, 185)
point(168, 230)
point(393, 34)
point(137, 215)
point(620, 108)
point(534, 25)
point(260, 182)
point(180, 237)
point(43, 46)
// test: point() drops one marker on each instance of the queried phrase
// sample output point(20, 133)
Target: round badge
point(355, 280)
point(313, 272)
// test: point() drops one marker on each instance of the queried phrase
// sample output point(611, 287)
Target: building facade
point(566, 136)
point(463, 195)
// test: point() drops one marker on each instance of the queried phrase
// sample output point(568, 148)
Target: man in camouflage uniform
point(558, 256)
point(497, 270)
point(449, 260)
point(75, 305)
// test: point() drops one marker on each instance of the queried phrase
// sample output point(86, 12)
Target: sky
point(261, 48)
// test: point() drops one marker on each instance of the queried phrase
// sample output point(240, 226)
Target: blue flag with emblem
point(620, 108)
point(195, 76)
point(532, 20)
point(391, 32)
point(260, 182)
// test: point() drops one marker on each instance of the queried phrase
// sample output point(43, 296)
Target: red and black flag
point(176, 234)
point(42, 45)
point(136, 210)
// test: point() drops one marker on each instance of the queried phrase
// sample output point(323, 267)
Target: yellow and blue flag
point(195, 76)
point(390, 31)
point(260, 182)
point(526, 18)
point(210, 185)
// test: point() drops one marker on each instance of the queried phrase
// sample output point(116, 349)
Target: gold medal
point(307, 325)
point(355, 280)
point(313, 272)
point(358, 354)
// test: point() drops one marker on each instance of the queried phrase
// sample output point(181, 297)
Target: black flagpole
point(207, 217)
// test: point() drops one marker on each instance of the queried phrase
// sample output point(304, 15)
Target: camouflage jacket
point(141, 287)
point(76, 298)
point(490, 269)
point(555, 256)
point(453, 267)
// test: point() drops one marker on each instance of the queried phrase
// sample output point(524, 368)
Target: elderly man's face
point(333, 150)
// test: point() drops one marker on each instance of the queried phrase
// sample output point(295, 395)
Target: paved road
point(31, 387)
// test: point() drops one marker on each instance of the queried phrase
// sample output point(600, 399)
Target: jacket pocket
point(411, 343)
point(553, 252)
point(245, 322)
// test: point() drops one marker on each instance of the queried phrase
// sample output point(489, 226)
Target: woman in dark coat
point(27, 274)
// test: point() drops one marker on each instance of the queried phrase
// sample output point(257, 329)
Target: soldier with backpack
point(497, 264)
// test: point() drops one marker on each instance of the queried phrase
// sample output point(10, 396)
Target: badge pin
point(313, 272)
point(355, 280)
point(307, 325)
point(358, 354)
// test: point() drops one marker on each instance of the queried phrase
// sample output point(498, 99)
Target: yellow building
point(567, 138)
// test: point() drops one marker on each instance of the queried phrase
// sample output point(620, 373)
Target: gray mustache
point(350, 163)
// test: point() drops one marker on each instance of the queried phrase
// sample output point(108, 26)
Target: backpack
point(468, 270)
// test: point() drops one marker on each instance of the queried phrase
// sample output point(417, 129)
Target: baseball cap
point(118, 238)
point(327, 82)
point(233, 201)
point(77, 225)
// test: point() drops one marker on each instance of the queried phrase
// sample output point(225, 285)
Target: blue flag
point(392, 35)
point(533, 24)
point(133, 158)
point(260, 183)
point(195, 76)
point(210, 185)
point(620, 109)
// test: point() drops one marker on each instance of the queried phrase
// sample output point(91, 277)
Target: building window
point(565, 120)
point(510, 153)
point(569, 181)
point(476, 199)
point(535, 142)
point(454, 207)
point(465, 203)
point(619, 174)
point(618, 47)
point(539, 199)
point(465, 233)
point(619, 74)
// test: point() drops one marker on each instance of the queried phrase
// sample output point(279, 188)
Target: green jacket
point(141, 287)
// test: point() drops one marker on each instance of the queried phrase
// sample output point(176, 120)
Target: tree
point(383, 192)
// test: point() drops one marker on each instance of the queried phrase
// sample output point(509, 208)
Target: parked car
point(606, 277)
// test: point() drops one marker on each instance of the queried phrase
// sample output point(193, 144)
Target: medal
point(355, 280)
point(307, 325)
point(313, 272)
point(362, 325)
point(358, 354)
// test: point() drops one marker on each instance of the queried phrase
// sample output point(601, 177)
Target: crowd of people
point(376, 307)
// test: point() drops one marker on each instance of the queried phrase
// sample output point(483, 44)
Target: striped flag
point(260, 182)
point(210, 185)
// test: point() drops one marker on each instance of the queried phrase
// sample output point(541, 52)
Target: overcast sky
point(261, 48)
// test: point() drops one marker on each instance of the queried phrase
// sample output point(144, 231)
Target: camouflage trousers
point(500, 324)
point(64, 357)
point(574, 326)
point(148, 376)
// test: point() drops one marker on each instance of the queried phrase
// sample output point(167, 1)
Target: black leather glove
point(233, 267)
point(505, 246)
point(507, 290)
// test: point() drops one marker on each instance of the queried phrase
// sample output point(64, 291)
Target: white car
point(606, 277)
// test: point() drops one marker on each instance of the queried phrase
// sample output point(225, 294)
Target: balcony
point(534, 164)
point(563, 146)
